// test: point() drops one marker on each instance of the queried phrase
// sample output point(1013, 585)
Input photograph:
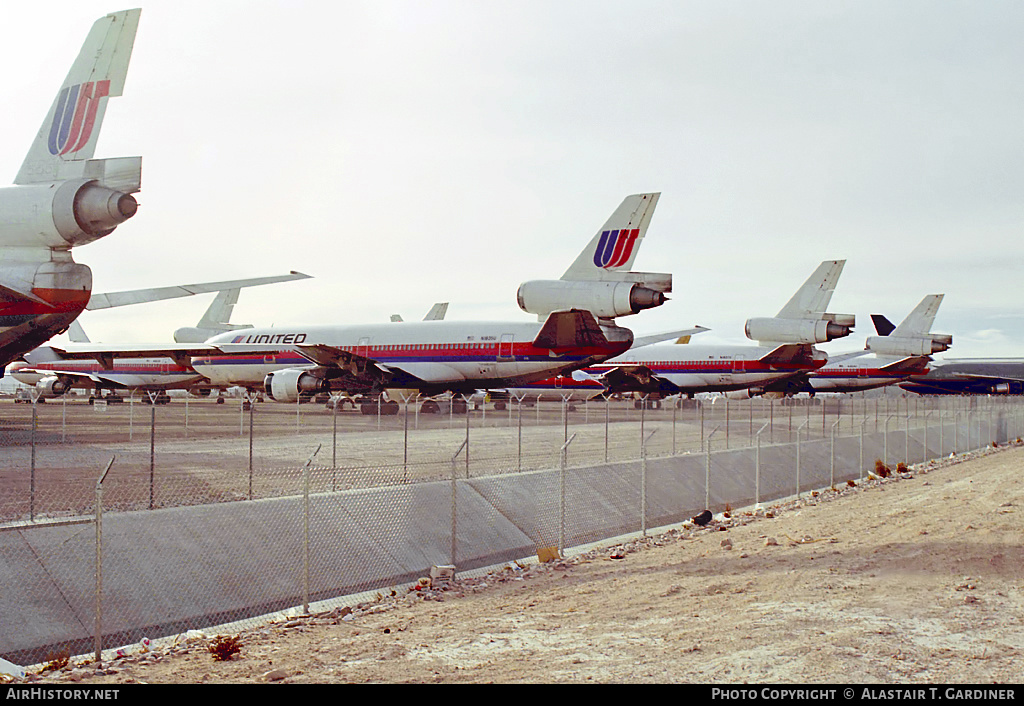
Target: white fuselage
point(431, 352)
point(689, 368)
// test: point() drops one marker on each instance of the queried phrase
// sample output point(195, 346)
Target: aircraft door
point(363, 347)
point(505, 351)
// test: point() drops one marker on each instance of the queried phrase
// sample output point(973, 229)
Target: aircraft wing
point(623, 378)
point(339, 363)
point(122, 381)
point(139, 296)
point(668, 336)
point(180, 353)
point(979, 376)
point(847, 356)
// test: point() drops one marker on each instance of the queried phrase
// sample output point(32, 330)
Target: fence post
point(798, 431)
point(454, 505)
point(832, 465)
point(32, 475)
point(152, 444)
point(561, 495)
point(305, 530)
point(757, 469)
point(98, 634)
point(707, 471)
point(251, 399)
point(643, 483)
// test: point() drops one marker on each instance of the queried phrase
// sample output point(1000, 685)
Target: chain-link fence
point(214, 513)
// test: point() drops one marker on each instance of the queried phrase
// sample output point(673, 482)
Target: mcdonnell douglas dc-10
point(785, 348)
point(63, 198)
point(575, 328)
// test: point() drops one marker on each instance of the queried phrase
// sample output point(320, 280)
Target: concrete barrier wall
point(169, 570)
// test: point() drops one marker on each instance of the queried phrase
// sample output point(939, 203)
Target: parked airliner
point(897, 354)
point(576, 327)
point(63, 198)
point(662, 370)
point(46, 368)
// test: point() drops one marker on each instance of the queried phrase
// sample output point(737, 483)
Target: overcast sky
point(407, 152)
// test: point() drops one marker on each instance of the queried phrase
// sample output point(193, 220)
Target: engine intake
point(290, 384)
point(53, 386)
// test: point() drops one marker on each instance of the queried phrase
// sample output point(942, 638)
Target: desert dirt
point(910, 579)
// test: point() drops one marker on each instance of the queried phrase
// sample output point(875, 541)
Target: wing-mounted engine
point(291, 384)
point(53, 386)
point(909, 345)
point(779, 330)
point(606, 300)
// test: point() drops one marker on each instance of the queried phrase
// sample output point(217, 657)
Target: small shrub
point(881, 470)
point(58, 661)
point(224, 648)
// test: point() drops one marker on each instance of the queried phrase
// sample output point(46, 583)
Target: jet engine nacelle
point(62, 215)
point(798, 330)
point(52, 386)
point(744, 394)
point(905, 345)
point(289, 384)
point(605, 300)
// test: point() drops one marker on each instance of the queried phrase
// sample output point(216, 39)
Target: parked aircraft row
point(576, 343)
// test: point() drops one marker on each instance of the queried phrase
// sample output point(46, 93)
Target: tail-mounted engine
point(290, 384)
point(909, 345)
point(605, 300)
point(776, 330)
point(62, 215)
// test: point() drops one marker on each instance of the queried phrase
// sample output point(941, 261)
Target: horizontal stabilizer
point(909, 365)
point(574, 328)
point(9, 292)
point(788, 354)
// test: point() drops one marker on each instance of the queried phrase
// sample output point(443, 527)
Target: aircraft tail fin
point(814, 295)
point(76, 334)
point(66, 142)
point(437, 312)
point(616, 244)
point(920, 320)
point(882, 325)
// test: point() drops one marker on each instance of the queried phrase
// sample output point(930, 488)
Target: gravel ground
point(912, 579)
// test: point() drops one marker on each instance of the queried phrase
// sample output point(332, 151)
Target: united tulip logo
point(75, 116)
point(615, 247)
